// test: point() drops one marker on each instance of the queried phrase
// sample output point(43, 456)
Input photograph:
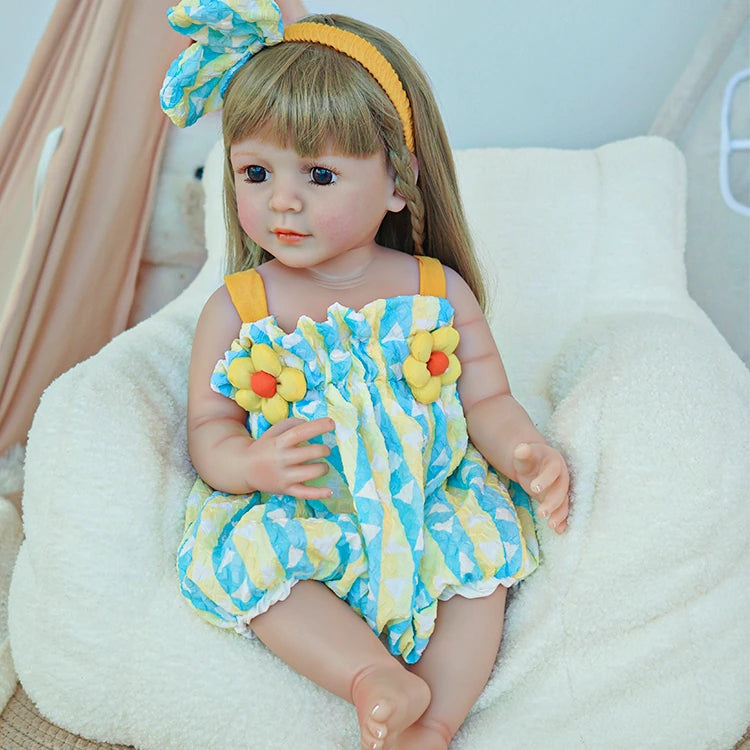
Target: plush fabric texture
point(633, 632)
point(11, 484)
point(10, 542)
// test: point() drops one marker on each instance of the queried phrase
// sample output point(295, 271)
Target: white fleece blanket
point(10, 542)
point(633, 633)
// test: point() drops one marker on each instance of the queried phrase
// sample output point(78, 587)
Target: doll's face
point(308, 212)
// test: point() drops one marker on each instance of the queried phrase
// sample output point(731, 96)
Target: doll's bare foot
point(388, 700)
point(424, 736)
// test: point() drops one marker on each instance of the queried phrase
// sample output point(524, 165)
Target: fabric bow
point(227, 34)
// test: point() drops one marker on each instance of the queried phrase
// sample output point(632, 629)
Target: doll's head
point(320, 85)
point(311, 97)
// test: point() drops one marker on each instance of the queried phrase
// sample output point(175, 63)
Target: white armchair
point(634, 631)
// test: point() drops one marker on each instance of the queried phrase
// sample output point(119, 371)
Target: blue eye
point(322, 176)
point(254, 173)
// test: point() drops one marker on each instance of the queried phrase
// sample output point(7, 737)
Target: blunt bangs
point(310, 98)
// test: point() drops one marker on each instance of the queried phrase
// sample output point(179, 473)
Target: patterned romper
point(416, 515)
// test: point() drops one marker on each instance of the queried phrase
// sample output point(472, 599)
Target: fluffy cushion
point(10, 541)
point(632, 633)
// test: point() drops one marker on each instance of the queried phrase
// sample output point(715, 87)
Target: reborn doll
point(363, 500)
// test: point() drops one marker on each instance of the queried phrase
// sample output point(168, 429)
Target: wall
point(567, 73)
point(558, 73)
point(20, 31)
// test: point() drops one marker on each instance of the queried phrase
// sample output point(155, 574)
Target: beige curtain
point(68, 264)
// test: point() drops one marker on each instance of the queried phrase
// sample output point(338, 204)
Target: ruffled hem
point(477, 590)
point(271, 597)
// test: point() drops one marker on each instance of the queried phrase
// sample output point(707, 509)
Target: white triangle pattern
point(295, 555)
point(369, 531)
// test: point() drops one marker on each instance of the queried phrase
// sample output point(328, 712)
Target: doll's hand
point(291, 10)
point(542, 472)
point(279, 460)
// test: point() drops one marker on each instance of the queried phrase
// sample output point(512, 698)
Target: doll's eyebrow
point(243, 154)
point(245, 158)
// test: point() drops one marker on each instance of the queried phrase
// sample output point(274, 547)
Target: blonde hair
point(308, 96)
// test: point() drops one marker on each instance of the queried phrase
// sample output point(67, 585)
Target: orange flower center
point(263, 383)
point(438, 363)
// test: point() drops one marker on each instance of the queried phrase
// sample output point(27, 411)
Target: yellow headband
point(368, 56)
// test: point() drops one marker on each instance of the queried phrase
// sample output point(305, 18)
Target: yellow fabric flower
point(432, 364)
point(264, 384)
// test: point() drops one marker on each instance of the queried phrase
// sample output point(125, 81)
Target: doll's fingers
point(545, 479)
point(306, 492)
point(308, 430)
point(306, 472)
point(558, 518)
point(311, 452)
point(555, 521)
point(283, 426)
point(523, 459)
point(522, 452)
point(560, 513)
point(553, 498)
point(559, 526)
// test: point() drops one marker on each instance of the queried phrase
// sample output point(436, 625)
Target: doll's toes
point(387, 701)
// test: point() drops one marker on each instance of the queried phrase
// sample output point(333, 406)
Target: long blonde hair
point(309, 97)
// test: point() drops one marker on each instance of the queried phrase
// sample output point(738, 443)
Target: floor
point(22, 727)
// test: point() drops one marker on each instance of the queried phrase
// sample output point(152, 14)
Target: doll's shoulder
point(219, 312)
point(462, 298)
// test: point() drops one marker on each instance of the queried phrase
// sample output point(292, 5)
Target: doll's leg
point(456, 665)
point(322, 638)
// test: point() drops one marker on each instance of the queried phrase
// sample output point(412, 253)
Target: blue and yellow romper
point(416, 515)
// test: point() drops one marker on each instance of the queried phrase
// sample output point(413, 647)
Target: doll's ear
point(398, 201)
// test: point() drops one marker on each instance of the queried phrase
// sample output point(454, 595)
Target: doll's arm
point(291, 10)
point(221, 449)
point(498, 425)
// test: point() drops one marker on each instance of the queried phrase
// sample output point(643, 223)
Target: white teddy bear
point(175, 247)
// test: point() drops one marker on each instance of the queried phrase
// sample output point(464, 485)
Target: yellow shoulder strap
point(431, 276)
point(248, 294)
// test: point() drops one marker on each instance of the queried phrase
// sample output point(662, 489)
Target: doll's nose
point(284, 198)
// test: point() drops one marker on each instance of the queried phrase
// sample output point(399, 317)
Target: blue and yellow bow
point(227, 34)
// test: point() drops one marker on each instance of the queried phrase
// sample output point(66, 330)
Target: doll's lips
point(289, 237)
